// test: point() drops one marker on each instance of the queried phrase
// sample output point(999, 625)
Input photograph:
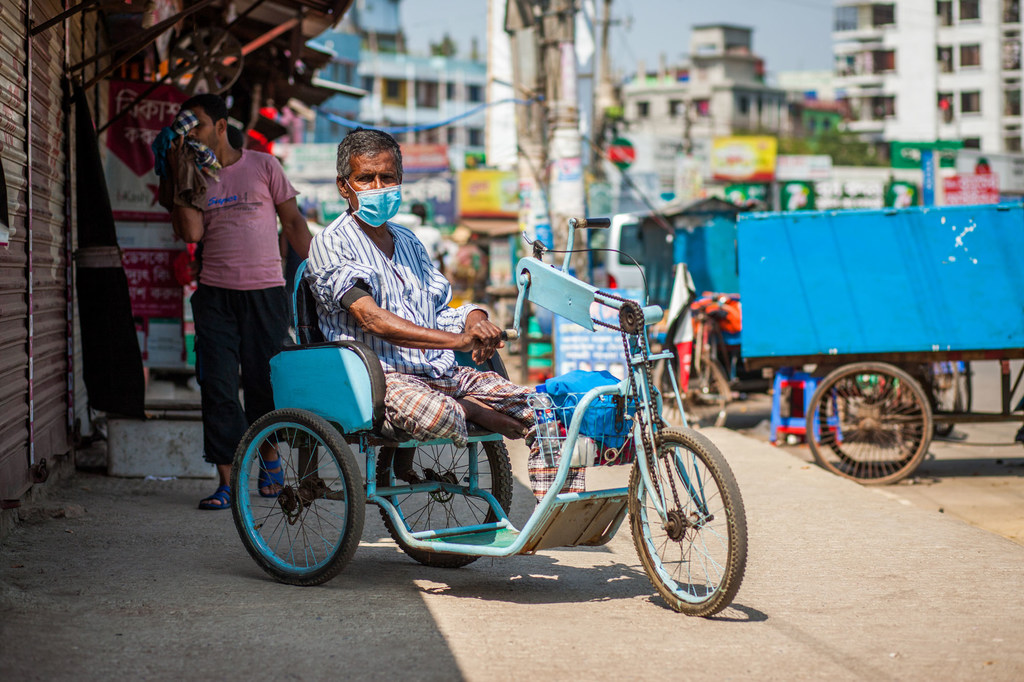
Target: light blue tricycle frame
point(302, 379)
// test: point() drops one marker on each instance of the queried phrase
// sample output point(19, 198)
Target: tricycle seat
point(341, 381)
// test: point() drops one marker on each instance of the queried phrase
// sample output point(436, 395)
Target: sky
point(788, 34)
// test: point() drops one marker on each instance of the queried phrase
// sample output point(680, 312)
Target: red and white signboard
point(964, 190)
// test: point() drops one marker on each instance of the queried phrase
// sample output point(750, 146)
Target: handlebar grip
point(509, 334)
point(590, 223)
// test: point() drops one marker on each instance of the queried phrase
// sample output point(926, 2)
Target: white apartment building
point(720, 92)
point(927, 70)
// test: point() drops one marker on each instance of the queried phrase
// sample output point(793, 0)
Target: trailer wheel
point(870, 422)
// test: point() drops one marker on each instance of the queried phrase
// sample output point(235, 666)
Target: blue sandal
point(219, 500)
point(269, 478)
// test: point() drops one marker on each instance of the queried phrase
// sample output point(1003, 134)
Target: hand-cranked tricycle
point(684, 506)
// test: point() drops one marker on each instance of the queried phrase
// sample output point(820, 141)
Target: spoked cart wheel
point(696, 555)
point(870, 422)
point(440, 510)
point(304, 531)
point(705, 399)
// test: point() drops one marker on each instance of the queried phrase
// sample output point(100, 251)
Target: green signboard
point(796, 195)
point(908, 154)
point(743, 192)
point(902, 194)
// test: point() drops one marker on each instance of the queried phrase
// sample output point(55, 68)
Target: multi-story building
point(406, 90)
point(928, 70)
point(720, 91)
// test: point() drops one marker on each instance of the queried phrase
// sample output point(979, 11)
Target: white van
point(624, 246)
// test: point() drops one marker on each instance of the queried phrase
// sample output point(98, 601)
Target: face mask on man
point(377, 206)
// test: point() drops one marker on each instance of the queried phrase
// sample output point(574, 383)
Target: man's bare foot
point(492, 420)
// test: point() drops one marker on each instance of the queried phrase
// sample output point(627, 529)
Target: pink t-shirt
point(240, 244)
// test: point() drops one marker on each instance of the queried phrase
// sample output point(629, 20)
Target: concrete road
point(843, 583)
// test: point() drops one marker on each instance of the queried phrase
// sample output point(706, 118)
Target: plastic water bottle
point(547, 427)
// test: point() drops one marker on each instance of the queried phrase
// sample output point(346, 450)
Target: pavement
point(113, 578)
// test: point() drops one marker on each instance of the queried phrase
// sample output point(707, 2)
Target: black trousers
point(235, 329)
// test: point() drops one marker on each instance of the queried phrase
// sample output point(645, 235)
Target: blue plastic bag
point(606, 420)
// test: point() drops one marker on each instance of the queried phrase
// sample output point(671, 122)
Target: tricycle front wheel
point(297, 501)
point(695, 553)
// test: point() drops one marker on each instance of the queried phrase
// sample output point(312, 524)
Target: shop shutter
point(49, 246)
point(14, 413)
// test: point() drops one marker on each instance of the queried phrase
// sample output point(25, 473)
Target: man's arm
point(187, 223)
point(294, 227)
point(401, 332)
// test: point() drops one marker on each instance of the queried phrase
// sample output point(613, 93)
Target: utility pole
point(604, 95)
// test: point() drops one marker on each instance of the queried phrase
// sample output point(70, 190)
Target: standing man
point(375, 283)
point(240, 308)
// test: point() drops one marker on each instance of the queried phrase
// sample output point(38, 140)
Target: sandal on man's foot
point(268, 478)
point(219, 500)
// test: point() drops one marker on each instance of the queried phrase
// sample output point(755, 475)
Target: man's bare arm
point(294, 227)
point(401, 332)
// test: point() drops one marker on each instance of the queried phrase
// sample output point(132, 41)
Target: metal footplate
point(576, 519)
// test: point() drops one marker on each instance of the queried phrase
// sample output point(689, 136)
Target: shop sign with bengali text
point(424, 158)
point(744, 159)
point(488, 193)
point(742, 193)
point(968, 190)
point(435, 189)
point(834, 194)
point(803, 167)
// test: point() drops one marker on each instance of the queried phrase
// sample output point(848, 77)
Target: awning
point(491, 227)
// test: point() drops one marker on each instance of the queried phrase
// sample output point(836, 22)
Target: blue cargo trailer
point(896, 303)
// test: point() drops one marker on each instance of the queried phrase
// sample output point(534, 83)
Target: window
point(476, 137)
point(1011, 106)
point(1013, 143)
point(1011, 54)
point(675, 108)
point(426, 94)
point(450, 134)
point(742, 105)
point(475, 93)
point(970, 102)
point(1011, 12)
point(972, 143)
point(368, 83)
point(703, 107)
point(885, 60)
point(945, 57)
point(970, 10)
point(944, 10)
point(643, 109)
point(449, 91)
point(945, 104)
point(845, 19)
point(432, 136)
point(394, 91)
point(882, 107)
point(883, 15)
point(631, 242)
point(970, 56)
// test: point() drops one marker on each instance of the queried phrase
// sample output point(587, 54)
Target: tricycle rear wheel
point(870, 422)
point(305, 528)
point(439, 510)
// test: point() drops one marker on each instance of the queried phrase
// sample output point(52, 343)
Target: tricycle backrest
point(341, 381)
point(307, 324)
point(882, 281)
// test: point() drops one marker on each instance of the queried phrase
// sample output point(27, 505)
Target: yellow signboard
point(744, 159)
point(488, 193)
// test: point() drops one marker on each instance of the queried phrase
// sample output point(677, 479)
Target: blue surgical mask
point(377, 206)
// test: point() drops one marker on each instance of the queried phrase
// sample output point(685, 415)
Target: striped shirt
point(407, 285)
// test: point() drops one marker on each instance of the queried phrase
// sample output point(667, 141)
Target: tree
point(445, 48)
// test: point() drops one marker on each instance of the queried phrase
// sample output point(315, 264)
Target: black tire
point(423, 511)
point(707, 395)
point(875, 423)
point(309, 532)
point(712, 540)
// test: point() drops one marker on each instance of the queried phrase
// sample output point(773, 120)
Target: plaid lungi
point(425, 408)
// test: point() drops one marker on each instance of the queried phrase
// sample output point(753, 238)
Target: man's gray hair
point(366, 142)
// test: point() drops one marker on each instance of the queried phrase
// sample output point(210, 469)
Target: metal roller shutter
point(48, 254)
point(14, 389)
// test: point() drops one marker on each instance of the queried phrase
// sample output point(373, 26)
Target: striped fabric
point(407, 285)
